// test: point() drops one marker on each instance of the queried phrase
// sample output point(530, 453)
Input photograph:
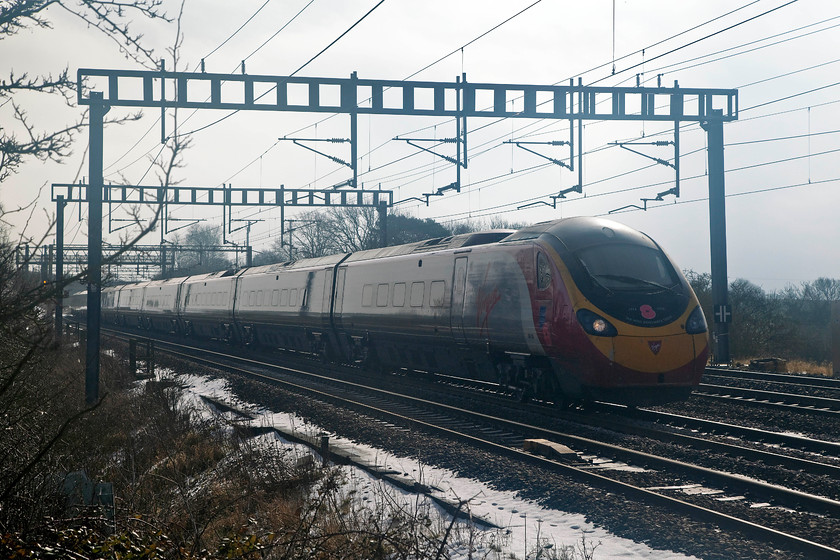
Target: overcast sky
point(781, 157)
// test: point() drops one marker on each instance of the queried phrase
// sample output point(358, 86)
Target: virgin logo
point(647, 311)
point(655, 346)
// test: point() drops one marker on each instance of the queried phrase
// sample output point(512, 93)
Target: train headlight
point(696, 323)
point(594, 324)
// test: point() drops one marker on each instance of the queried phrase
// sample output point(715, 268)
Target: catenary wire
point(157, 121)
point(496, 27)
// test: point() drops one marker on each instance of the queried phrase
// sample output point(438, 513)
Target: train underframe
point(524, 375)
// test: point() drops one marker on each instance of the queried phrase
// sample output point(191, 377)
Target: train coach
point(567, 310)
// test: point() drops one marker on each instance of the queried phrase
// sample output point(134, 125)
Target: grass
point(804, 367)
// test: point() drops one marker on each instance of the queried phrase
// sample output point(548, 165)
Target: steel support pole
point(717, 235)
point(383, 224)
point(248, 251)
point(352, 104)
point(59, 268)
point(94, 198)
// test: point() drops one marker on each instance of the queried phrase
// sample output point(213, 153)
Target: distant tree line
point(315, 234)
point(793, 323)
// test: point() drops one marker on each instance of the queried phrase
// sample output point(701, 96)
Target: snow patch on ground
point(522, 522)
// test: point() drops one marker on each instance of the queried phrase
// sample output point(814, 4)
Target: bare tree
point(354, 228)
point(313, 235)
point(110, 18)
point(40, 394)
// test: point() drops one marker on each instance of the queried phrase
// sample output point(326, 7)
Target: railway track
point(504, 437)
point(808, 394)
point(615, 417)
point(786, 378)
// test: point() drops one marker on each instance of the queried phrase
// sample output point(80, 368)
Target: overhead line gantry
point(102, 89)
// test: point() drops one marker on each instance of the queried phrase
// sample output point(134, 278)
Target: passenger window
point(284, 298)
point(418, 290)
point(399, 294)
point(260, 296)
point(543, 272)
point(367, 295)
point(252, 298)
point(437, 293)
point(293, 298)
point(382, 295)
point(275, 297)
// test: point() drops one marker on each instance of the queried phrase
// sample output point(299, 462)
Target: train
point(571, 310)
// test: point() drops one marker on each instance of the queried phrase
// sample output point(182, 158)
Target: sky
point(780, 157)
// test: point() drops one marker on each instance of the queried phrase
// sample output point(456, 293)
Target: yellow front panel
point(654, 354)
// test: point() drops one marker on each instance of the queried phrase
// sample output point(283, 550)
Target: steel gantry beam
point(243, 92)
point(75, 256)
point(227, 196)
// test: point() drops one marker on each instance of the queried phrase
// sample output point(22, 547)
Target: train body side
point(161, 305)
point(525, 309)
point(437, 311)
point(286, 305)
point(205, 305)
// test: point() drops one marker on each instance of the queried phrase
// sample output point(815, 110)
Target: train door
point(339, 296)
point(459, 286)
point(326, 302)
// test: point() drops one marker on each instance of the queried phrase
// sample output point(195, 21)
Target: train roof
point(436, 244)
point(316, 262)
point(583, 231)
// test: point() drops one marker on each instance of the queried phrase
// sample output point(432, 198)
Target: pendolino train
point(572, 309)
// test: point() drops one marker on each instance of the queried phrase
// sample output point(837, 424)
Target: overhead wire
point(696, 41)
point(157, 121)
point(471, 41)
point(467, 188)
point(756, 106)
point(629, 189)
point(665, 40)
point(232, 35)
point(660, 42)
point(307, 63)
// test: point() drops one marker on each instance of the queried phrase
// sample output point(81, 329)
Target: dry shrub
point(186, 486)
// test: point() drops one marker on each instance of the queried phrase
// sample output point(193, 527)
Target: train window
point(543, 272)
point(293, 297)
point(260, 298)
point(252, 298)
point(418, 291)
point(437, 293)
point(399, 294)
point(367, 295)
point(275, 297)
point(303, 297)
point(382, 295)
point(284, 298)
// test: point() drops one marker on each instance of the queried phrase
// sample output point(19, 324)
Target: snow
point(521, 522)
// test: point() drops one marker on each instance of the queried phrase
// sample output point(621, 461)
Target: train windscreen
point(621, 266)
